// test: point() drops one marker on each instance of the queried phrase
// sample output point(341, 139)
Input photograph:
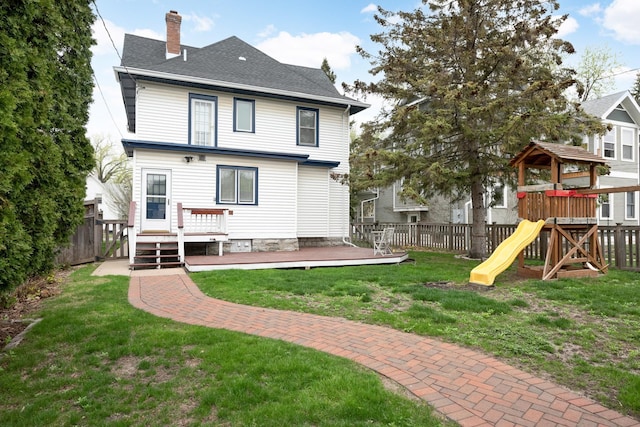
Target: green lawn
point(96, 360)
point(582, 333)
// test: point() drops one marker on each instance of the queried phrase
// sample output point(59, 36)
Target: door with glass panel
point(156, 200)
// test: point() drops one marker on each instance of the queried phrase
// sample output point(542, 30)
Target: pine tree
point(45, 91)
point(635, 90)
point(471, 82)
point(328, 71)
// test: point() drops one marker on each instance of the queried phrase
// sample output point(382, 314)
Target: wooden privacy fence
point(95, 239)
point(620, 243)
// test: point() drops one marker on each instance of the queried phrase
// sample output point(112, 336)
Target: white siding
point(293, 200)
point(162, 113)
point(194, 185)
point(163, 116)
point(313, 202)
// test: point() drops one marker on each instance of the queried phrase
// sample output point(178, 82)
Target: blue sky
point(303, 33)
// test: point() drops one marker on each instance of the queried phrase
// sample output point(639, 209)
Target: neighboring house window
point(202, 119)
point(308, 126)
point(368, 210)
point(630, 212)
point(498, 196)
point(626, 139)
point(605, 206)
point(609, 144)
point(237, 185)
point(244, 115)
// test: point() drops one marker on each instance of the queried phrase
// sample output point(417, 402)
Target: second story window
point(244, 115)
point(202, 119)
point(609, 144)
point(308, 126)
point(627, 137)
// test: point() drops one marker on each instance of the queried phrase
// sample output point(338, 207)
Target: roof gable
point(605, 106)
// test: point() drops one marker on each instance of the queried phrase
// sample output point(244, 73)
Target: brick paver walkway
point(468, 387)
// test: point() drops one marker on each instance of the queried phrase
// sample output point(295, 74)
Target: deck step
point(156, 254)
point(155, 265)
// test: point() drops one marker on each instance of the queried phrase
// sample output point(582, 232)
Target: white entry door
point(156, 200)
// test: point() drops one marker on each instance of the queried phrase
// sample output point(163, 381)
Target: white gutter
point(220, 83)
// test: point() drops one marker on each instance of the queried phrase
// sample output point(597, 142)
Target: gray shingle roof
point(231, 61)
point(599, 107)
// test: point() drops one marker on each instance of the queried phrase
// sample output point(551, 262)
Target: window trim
point(495, 186)
point(209, 98)
point(317, 132)
point(613, 132)
point(610, 203)
point(235, 115)
point(237, 198)
point(632, 145)
point(635, 205)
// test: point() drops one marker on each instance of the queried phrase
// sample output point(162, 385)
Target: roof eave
point(355, 106)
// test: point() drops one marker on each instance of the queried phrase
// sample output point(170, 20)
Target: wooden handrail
point(180, 216)
point(208, 211)
point(131, 220)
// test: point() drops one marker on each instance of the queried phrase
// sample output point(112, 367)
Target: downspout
point(346, 236)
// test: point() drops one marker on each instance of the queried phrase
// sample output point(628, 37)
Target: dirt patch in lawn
point(25, 300)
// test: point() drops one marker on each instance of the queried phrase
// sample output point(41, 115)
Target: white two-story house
point(232, 146)
point(619, 147)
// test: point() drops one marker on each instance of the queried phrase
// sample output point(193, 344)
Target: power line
point(106, 104)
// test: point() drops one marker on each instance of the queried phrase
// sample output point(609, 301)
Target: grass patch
point(95, 360)
point(583, 333)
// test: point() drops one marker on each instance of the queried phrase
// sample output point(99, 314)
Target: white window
point(244, 115)
point(307, 126)
point(499, 196)
point(627, 137)
point(606, 202)
point(237, 185)
point(609, 144)
point(202, 120)
point(630, 211)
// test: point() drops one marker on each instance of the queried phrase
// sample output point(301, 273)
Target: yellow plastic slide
point(506, 253)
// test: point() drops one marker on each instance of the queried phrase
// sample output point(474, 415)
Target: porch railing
point(202, 225)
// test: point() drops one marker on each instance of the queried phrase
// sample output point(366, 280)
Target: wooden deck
point(335, 256)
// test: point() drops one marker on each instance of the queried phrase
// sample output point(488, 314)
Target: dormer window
point(202, 119)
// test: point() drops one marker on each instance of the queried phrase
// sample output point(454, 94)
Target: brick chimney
point(173, 33)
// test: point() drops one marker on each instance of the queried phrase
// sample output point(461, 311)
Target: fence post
point(618, 245)
point(451, 237)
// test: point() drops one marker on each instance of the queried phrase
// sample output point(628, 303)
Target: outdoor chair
point(382, 241)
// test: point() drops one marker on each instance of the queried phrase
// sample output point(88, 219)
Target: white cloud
point(202, 23)
point(621, 17)
point(570, 25)
point(267, 31)
point(113, 32)
point(100, 34)
point(309, 49)
point(370, 8)
point(590, 10)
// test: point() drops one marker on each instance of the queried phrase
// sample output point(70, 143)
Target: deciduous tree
point(469, 82)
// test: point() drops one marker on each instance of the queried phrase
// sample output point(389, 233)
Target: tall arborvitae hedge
point(45, 156)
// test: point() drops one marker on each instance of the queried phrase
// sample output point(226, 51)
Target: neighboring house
point(94, 189)
point(386, 206)
point(619, 147)
point(229, 132)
